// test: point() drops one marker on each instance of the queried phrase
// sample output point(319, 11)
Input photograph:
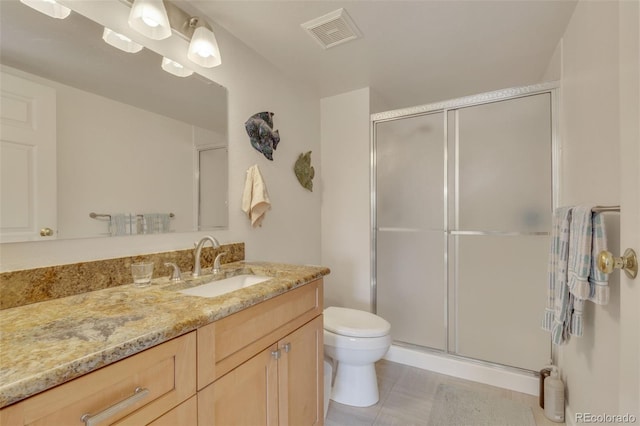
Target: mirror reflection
point(118, 136)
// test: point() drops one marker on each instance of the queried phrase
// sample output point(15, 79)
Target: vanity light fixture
point(48, 7)
point(203, 48)
point(173, 67)
point(120, 41)
point(149, 18)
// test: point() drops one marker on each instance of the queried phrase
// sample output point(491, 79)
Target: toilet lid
point(355, 323)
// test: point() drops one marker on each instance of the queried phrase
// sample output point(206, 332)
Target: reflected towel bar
point(99, 216)
point(93, 215)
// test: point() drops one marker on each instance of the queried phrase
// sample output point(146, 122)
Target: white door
point(27, 160)
point(629, 374)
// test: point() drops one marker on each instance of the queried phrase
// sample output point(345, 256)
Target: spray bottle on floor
point(554, 396)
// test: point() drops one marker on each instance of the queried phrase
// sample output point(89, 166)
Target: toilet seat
point(354, 323)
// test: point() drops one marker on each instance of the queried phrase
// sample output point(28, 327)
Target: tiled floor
point(406, 398)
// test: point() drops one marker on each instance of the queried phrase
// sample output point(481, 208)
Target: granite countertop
point(48, 343)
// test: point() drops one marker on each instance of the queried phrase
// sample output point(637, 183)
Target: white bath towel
point(255, 198)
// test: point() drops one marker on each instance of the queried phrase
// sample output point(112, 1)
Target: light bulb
point(175, 68)
point(48, 7)
point(203, 49)
point(120, 41)
point(149, 18)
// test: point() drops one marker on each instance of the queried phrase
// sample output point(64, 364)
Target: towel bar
point(628, 262)
point(605, 209)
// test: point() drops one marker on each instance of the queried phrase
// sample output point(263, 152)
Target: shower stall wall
point(461, 206)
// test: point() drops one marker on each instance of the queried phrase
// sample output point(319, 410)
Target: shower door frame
point(445, 107)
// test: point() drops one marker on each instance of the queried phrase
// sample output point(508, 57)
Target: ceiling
point(411, 52)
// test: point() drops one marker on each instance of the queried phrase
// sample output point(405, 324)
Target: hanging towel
point(255, 198)
point(578, 235)
point(118, 224)
point(557, 316)
point(598, 280)
point(586, 282)
point(581, 234)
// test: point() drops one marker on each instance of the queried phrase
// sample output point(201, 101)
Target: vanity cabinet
point(141, 389)
point(263, 365)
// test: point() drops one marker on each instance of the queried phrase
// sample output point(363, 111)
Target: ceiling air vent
point(332, 29)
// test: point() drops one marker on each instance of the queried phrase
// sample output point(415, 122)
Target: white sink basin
point(226, 285)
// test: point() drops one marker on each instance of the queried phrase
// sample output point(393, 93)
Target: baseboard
point(494, 376)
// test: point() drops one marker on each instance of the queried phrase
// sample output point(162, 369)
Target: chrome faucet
point(197, 269)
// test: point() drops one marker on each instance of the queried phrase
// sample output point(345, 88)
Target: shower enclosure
point(462, 195)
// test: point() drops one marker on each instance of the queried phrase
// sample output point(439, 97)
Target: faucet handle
point(216, 262)
point(176, 275)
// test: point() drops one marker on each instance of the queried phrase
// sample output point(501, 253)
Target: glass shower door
point(500, 219)
point(410, 233)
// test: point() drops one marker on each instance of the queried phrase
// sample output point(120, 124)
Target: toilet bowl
point(355, 340)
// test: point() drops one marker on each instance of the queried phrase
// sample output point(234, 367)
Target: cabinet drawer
point(167, 372)
point(227, 343)
point(185, 414)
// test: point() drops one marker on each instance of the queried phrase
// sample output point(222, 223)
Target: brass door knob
point(628, 262)
point(46, 232)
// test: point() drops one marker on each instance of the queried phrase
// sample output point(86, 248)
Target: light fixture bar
point(180, 21)
point(203, 47)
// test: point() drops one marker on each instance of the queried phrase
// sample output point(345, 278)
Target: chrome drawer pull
point(139, 394)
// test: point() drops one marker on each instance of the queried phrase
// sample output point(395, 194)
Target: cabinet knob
point(276, 354)
point(46, 232)
point(286, 347)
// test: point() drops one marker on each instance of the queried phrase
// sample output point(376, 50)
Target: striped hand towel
point(559, 303)
point(598, 280)
point(586, 282)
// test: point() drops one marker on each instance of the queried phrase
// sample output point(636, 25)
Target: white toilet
point(355, 340)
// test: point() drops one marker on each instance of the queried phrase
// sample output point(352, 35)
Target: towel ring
point(628, 262)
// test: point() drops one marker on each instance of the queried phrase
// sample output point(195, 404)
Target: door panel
point(410, 203)
point(28, 159)
point(300, 376)
point(498, 279)
point(246, 395)
point(504, 165)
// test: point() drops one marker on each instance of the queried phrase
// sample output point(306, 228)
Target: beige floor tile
point(406, 398)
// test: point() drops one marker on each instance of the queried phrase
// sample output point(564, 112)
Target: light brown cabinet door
point(300, 376)
point(247, 395)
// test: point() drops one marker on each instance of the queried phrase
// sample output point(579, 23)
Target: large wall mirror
point(132, 143)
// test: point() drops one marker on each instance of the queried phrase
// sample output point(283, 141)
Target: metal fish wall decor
point(261, 134)
point(304, 171)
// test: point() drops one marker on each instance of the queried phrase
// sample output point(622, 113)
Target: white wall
point(346, 246)
point(590, 172)
point(121, 159)
point(291, 230)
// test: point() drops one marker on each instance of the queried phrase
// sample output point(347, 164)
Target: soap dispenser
point(554, 397)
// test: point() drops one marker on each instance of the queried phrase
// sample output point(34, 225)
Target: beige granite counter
point(48, 343)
